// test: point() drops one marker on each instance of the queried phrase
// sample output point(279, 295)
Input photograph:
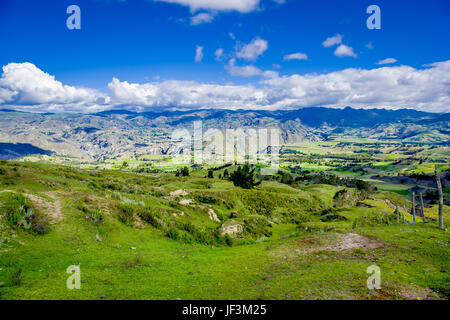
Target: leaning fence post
point(422, 207)
point(414, 207)
point(441, 199)
point(396, 211)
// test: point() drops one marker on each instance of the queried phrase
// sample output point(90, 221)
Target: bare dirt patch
point(52, 209)
point(341, 242)
point(412, 293)
point(333, 242)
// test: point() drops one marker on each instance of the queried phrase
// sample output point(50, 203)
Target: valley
point(139, 227)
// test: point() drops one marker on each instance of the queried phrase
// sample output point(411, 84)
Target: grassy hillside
point(158, 236)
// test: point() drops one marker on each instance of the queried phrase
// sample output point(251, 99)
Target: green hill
point(158, 236)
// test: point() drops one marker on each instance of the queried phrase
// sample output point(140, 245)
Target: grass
point(136, 260)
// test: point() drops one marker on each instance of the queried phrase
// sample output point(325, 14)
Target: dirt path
point(340, 242)
point(52, 209)
point(353, 241)
point(333, 242)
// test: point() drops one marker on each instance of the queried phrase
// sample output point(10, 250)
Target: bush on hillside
point(19, 212)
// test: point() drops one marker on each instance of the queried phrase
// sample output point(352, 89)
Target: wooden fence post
point(441, 199)
point(396, 211)
point(422, 207)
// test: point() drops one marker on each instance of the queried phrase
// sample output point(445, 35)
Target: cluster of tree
point(334, 180)
point(184, 172)
point(226, 165)
point(323, 178)
point(244, 177)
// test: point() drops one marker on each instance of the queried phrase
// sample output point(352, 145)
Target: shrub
point(257, 226)
point(126, 213)
point(332, 217)
point(96, 215)
point(373, 218)
point(300, 218)
point(343, 198)
point(259, 203)
point(173, 233)
point(149, 217)
point(2, 171)
point(205, 198)
point(287, 178)
point(19, 213)
point(228, 240)
point(17, 277)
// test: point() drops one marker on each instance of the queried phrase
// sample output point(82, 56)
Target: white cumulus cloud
point(345, 51)
point(198, 54)
point(25, 85)
point(331, 41)
point(218, 54)
point(252, 50)
point(243, 6)
point(248, 70)
point(387, 87)
point(387, 61)
point(201, 18)
point(295, 56)
point(186, 94)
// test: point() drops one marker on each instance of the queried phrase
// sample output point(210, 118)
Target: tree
point(210, 174)
point(286, 178)
point(183, 172)
point(125, 165)
point(244, 177)
point(226, 175)
point(441, 199)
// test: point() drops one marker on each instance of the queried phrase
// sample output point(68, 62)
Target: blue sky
point(152, 42)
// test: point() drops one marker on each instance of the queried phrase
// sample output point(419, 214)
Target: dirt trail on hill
point(354, 241)
point(51, 209)
point(333, 242)
point(343, 242)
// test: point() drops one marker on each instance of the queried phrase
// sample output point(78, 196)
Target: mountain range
point(117, 133)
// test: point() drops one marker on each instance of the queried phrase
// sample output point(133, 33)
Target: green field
point(151, 236)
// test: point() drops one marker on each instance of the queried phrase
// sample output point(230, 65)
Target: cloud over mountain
point(23, 84)
point(25, 87)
